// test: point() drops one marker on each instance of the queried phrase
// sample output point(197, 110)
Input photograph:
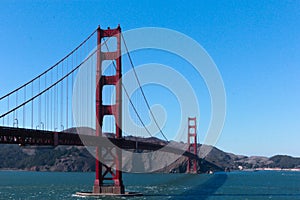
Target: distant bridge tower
point(192, 144)
point(108, 168)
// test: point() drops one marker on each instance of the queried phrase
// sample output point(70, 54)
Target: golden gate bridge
point(40, 111)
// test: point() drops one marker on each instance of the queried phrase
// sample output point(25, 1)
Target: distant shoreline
point(272, 169)
point(243, 170)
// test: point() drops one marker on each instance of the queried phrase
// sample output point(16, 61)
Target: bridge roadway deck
point(22, 136)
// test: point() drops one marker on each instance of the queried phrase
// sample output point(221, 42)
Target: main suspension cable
point(142, 91)
point(53, 66)
point(51, 86)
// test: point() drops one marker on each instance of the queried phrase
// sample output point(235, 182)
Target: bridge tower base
point(192, 144)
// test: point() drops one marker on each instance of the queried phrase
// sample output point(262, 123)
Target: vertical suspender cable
point(57, 100)
point(13, 118)
point(88, 111)
point(32, 106)
point(16, 106)
point(61, 97)
point(85, 92)
point(54, 108)
point(46, 103)
point(72, 79)
point(54, 103)
point(24, 118)
point(8, 109)
point(39, 105)
point(50, 103)
point(67, 95)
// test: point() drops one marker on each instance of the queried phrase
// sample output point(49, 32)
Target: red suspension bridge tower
point(109, 160)
point(192, 144)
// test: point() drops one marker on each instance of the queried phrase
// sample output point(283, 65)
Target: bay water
point(231, 185)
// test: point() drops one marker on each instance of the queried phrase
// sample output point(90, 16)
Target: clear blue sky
point(255, 45)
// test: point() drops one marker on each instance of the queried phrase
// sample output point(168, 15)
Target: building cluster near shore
point(271, 169)
point(278, 169)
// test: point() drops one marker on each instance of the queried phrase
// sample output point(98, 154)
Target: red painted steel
point(105, 169)
point(192, 143)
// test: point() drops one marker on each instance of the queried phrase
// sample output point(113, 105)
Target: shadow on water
point(201, 191)
point(208, 188)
